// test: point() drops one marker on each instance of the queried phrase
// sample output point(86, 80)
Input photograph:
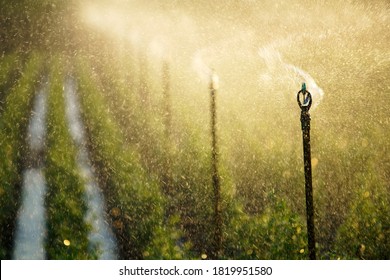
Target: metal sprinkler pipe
point(166, 96)
point(214, 169)
point(304, 100)
point(167, 181)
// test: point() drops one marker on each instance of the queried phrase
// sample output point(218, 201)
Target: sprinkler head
point(304, 98)
point(214, 81)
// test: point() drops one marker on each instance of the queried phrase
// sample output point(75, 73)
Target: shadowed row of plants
point(134, 201)
point(67, 232)
point(13, 124)
point(10, 70)
point(185, 183)
point(47, 25)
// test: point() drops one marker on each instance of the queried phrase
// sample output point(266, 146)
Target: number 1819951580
point(245, 270)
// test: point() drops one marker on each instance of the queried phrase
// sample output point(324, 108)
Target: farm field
point(108, 104)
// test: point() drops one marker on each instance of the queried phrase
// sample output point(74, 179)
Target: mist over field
point(140, 76)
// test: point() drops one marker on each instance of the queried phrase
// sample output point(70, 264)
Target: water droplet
point(314, 162)
point(115, 212)
point(118, 225)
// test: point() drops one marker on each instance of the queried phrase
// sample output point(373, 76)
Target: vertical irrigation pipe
point(143, 71)
point(304, 101)
point(214, 168)
point(167, 182)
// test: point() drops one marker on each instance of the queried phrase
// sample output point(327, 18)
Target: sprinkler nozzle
point(304, 98)
point(214, 81)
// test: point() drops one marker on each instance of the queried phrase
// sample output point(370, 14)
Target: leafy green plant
point(277, 233)
point(365, 232)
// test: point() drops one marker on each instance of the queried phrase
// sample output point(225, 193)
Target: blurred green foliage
point(46, 25)
point(277, 233)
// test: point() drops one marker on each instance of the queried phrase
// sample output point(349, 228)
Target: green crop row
point(134, 201)
point(184, 182)
point(67, 236)
point(13, 124)
point(6, 67)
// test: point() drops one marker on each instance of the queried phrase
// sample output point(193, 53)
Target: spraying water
point(275, 64)
point(200, 67)
point(311, 84)
point(31, 222)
